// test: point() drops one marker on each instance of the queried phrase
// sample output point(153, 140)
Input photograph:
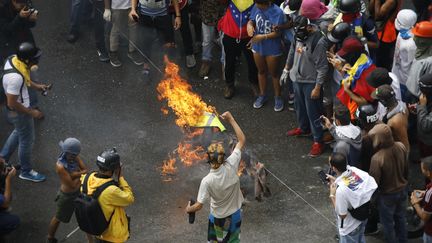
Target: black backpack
point(88, 211)
point(3, 98)
point(361, 213)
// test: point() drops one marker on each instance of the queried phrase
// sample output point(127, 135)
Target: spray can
point(192, 215)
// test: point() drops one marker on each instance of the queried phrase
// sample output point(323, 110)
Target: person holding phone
point(16, 22)
point(8, 221)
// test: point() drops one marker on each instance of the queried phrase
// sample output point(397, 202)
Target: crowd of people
point(357, 73)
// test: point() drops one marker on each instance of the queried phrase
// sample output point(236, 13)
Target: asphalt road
point(106, 107)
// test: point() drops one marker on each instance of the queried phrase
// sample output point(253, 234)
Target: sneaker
point(72, 38)
point(229, 92)
point(190, 61)
point(259, 102)
point(136, 58)
point(291, 99)
point(205, 69)
point(316, 150)
point(114, 59)
point(103, 56)
point(32, 176)
point(279, 104)
point(297, 132)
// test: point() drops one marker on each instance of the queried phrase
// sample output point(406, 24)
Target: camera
point(4, 171)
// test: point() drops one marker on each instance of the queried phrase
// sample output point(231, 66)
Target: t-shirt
point(120, 4)
point(222, 187)
point(427, 208)
point(153, 8)
point(404, 55)
point(264, 21)
point(12, 83)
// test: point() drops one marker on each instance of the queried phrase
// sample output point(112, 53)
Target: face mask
point(301, 34)
point(405, 33)
point(349, 17)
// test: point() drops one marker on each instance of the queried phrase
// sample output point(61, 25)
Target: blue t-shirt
point(153, 8)
point(264, 21)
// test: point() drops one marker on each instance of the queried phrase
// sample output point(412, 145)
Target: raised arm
point(227, 116)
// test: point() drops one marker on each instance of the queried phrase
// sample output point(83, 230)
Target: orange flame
point(168, 167)
point(241, 168)
point(187, 105)
point(189, 154)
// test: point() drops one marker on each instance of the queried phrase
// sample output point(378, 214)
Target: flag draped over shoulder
point(356, 77)
point(233, 23)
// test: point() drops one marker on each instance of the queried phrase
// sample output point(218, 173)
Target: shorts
point(226, 229)
point(65, 205)
point(163, 24)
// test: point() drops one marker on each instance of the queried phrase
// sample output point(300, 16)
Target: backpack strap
point(85, 183)
point(99, 191)
point(13, 70)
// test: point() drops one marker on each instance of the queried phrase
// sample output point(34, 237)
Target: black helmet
point(108, 160)
point(425, 84)
point(300, 28)
point(28, 52)
point(368, 113)
point(349, 6)
point(339, 32)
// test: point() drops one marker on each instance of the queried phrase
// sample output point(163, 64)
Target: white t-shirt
point(404, 56)
point(120, 4)
point(12, 83)
point(222, 187)
point(355, 187)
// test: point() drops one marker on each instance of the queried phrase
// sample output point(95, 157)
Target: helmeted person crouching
point(222, 187)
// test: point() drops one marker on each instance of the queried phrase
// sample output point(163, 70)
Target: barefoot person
point(69, 168)
point(222, 188)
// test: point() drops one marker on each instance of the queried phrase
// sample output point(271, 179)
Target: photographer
point(16, 83)
point(222, 188)
point(8, 222)
point(17, 17)
point(350, 194)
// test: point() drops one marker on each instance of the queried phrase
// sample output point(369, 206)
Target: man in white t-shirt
point(16, 81)
point(351, 189)
point(222, 188)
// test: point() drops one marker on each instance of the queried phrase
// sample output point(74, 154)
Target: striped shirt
point(153, 8)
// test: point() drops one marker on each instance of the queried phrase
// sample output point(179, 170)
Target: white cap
point(406, 19)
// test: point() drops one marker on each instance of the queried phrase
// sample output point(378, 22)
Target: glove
point(107, 15)
point(284, 77)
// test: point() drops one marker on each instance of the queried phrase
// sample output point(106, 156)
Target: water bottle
point(192, 215)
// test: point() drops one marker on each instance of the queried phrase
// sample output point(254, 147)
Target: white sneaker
point(190, 61)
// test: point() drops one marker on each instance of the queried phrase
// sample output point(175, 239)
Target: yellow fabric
point(23, 69)
point(242, 5)
point(357, 29)
point(360, 61)
point(215, 122)
point(113, 198)
point(338, 19)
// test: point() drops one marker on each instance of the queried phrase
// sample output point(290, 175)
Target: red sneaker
point(316, 150)
point(297, 132)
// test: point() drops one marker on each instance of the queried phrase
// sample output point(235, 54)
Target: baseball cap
point(378, 77)
point(383, 92)
point(351, 44)
point(406, 19)
point(70, 145)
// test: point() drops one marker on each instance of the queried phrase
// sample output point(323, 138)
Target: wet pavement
point(106, 107)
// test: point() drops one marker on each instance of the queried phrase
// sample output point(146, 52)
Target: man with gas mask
point(222, 188)
point(16, 81)
point(308, 68)
point(17, 17)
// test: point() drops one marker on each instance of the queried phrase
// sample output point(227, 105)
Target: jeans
point(356, 236)
point(99, 25)
point(78, 10)
point(427, 238)
point(208, 35)
point(185, 31)
point(119, 20)
point(392, 216)
point(22, 137)
point(8, 223)
point(232, 49)
point(308, 110)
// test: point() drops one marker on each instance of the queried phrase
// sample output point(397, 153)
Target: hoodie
point(389, 164)
point(348, 142)
point(113, 200)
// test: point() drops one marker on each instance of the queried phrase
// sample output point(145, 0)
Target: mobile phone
point(322, 175)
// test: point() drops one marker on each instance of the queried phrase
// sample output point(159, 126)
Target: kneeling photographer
point(8, 221)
